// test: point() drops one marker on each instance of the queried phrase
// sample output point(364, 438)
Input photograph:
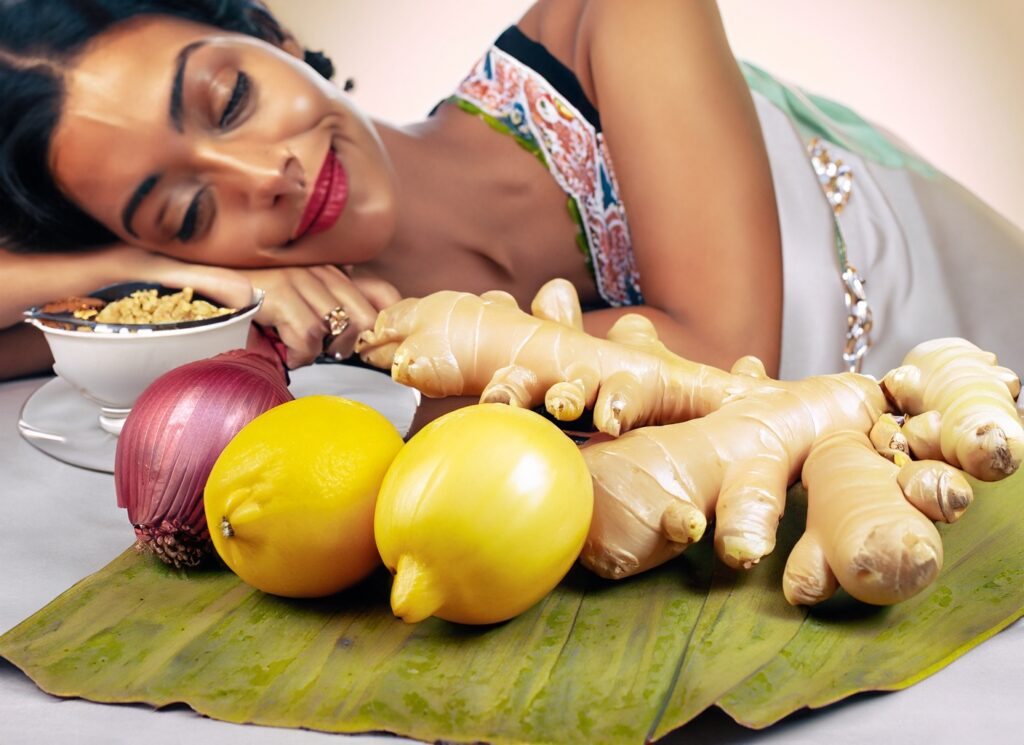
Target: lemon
point(481, 514)
point(290, 500)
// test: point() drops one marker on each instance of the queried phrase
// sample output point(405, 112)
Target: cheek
point(234, 242)
point(293, 105)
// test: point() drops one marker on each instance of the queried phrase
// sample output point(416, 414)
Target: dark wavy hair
point(38, 40)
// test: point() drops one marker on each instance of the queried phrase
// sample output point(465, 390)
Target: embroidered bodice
point(521, 89)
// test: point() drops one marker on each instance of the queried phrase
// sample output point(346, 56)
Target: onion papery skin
point(172, 438)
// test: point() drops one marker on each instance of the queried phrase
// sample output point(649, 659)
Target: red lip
point(327, 200)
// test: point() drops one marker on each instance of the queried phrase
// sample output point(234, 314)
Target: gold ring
point(337, 321)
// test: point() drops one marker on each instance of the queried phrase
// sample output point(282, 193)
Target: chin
point(355, 239)
point(371, 228)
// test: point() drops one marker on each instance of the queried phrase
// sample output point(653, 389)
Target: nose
point(263, 176)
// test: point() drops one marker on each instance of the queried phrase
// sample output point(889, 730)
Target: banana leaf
point(595, 661)
point(845, 647)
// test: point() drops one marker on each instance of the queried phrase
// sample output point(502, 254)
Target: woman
point(744, 235)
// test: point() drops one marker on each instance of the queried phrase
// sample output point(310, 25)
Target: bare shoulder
point(556, 24)
point(584, 34)
point(690, 163)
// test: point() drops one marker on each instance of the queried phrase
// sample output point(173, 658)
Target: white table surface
point(59, 524)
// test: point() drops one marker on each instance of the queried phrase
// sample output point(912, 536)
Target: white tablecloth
point(59, 524)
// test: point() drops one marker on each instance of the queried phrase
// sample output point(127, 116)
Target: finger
point(343, 345)
point(225, 286)
point(297, 319)
point(360, 312)
point(381, 293)
point(301, 331)
point(321, 295)
point(331, 293)
point(345, 292)
point(301, 349)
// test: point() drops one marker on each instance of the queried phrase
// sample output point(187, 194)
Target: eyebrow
point(175, 108)
point(136, 199)
point(174, 113)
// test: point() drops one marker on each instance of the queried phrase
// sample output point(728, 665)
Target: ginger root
point(979, 428)
point(888, 438)
point(729, 444)
point(656, 488)
point(865, 527)
point(458, 344)
point(937, 489)
point(922, 435)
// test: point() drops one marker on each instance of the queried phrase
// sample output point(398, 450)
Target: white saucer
point(61, 422)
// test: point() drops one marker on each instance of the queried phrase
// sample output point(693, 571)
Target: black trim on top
point(536, 56)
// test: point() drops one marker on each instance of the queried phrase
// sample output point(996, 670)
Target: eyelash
point(239, 97)
point(191, 219)
point(236, 104)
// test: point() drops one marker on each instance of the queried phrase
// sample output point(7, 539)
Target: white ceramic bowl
point(114, 364)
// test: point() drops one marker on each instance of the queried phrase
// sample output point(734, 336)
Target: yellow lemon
point(290, 500)
point(481, 515)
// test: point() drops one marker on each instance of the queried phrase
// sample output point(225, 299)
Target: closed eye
point(236, 104)
point(198, 215)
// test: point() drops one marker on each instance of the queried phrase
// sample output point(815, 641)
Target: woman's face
point(221, 149)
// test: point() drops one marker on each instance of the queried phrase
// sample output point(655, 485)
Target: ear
point(273, 31)
point(290, 44)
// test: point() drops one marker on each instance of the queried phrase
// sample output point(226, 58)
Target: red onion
point(173, 435)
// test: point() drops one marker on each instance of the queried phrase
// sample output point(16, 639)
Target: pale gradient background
point(946, 76)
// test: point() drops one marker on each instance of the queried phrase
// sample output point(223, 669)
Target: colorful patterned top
point(521, 89)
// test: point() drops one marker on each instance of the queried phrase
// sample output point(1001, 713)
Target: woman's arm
point(33, 279)
point(691, 164)
point(23, 351)
point(296, 298)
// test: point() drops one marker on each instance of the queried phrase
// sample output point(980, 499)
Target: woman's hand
point(299, 304)
point(34, 279)
point(227, 286)
point(298, 299)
